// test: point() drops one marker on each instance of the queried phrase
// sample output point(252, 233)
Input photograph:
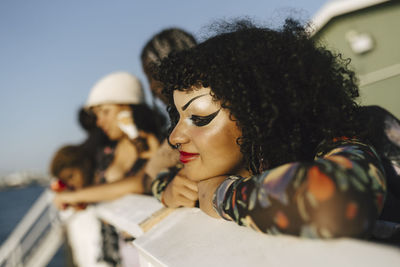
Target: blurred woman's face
point(206, 136)
point(106, 119)
point(72, 177)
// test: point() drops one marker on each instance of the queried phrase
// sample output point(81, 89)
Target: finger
point(192, 185)
point(56, 202)
point(179, 180)
point(188, 193)
point(185, 202)
point(59, 205)
point(187, 183)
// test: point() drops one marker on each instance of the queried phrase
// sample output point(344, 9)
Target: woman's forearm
point(340, 194)
point(104, 192)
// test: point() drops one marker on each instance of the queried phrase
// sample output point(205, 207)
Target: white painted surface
point(188, 237)
point(84, 237)
point(128, 212)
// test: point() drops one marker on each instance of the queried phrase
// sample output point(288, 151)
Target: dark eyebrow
point(184, 107)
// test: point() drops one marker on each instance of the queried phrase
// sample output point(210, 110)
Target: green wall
point(382, 22)
point(385, 93)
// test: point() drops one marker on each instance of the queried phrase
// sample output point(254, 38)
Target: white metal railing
point(188, 237)
point(36, 238)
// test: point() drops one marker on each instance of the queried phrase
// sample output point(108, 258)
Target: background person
point(134, 137)
point(165, 160)
point(73, 166)
point(118, 104)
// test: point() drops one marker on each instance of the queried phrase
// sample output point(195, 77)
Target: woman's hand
point(180, 192)
point(206, 190)
point(63, 200)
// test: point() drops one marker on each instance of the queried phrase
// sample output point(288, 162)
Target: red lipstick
point(185, 157)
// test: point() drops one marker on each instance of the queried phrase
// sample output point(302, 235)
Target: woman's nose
point(179, 135)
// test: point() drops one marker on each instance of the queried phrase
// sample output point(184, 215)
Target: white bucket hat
point(116, 88)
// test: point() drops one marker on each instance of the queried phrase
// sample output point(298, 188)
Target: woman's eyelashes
point(203, 120)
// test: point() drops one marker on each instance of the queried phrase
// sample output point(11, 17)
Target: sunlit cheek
point(110, 122)
point(114, 125)
point(208, 139)
point(228, 139)
point(98, 120)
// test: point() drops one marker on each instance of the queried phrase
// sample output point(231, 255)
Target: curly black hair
point(285, 92)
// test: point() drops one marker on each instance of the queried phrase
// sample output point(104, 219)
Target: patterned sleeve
point(159, 184)
point(162, 181)
point(391, 144)
point(340, 193)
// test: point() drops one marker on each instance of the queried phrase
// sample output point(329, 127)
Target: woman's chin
point(116, 136)
point(197, 178)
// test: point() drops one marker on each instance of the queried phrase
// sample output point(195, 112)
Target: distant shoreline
point(23, 179)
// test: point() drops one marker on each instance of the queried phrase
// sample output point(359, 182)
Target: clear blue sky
point(52, 52)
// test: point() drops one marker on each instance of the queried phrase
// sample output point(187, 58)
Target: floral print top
point(110, 238)
point(341, 193)
point(105, 157)
point(162, 181)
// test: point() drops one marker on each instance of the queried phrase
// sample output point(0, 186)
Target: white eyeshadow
point(203, 103)
point(189, 121)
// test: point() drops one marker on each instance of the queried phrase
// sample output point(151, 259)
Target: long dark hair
point(96, 138)
point(149, 120)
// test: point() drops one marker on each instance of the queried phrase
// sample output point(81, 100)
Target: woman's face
point(72, 177)
point(206, 136)
point(106, 119)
